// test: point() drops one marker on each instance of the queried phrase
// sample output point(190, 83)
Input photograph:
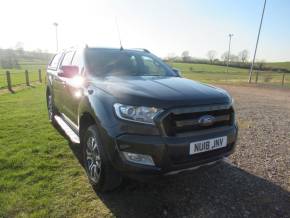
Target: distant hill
point(10, 58)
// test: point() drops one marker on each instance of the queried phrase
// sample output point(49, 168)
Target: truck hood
point(161, 92)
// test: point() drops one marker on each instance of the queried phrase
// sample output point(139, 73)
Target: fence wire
point(3, 83)
point(234, 76)
point(18, 77)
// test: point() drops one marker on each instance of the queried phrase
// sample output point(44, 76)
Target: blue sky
point(161, 26)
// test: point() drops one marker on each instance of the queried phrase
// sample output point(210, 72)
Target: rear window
point(55, 61)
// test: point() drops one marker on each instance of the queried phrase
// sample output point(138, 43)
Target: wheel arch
point(92, 111)
point(85, 120)
point(49, 91)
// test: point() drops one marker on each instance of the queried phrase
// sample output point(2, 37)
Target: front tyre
point(99, 170)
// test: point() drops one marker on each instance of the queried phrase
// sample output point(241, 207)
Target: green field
point(285, 65)
point(202, 72)
point(40, 176)
point(218, 74)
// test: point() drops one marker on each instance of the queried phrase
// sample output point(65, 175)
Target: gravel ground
point(264, 140)
point(254, 182)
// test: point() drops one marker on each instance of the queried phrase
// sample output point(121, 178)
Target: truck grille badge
point(206, 120)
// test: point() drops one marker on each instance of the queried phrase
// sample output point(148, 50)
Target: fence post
point(257, 76)
point(283, 79)
point(27, 77)
point(39, 75)
point(9, 86)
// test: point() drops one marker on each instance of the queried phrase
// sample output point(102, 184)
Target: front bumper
point(170, 154)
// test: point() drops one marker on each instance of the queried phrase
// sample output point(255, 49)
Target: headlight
point(138, 114)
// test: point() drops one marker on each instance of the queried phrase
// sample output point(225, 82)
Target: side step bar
point(67, 129)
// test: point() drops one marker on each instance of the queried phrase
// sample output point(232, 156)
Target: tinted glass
point(67, 58)
point(153, 67)
point(112, 62)
point(55, 61)
point(78, 59)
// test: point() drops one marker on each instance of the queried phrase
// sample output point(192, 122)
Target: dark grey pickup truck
point(133, 115)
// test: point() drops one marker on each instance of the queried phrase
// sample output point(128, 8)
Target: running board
point(67, 129)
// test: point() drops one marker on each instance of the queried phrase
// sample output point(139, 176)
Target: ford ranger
point(133, 115)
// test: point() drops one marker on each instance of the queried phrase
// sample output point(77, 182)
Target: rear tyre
point(51, 109)
point(100, 172)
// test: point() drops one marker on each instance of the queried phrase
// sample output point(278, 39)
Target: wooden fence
point(10, 79)
point(270, 77)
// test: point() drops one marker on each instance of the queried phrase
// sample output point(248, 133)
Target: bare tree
point(261, 64)
point(171, 57)
point(19, 47)
point(211, 54)
point(185, 56)
point(224, 57)
point(9, 59)
point(244, 55)
point(234, 58)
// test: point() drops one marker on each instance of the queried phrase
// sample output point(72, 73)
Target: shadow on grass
point(220, 191)
point(76, 149)
point(16, 88)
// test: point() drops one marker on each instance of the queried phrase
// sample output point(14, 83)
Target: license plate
point(207, 145)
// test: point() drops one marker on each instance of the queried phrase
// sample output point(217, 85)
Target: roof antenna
point(117, 25)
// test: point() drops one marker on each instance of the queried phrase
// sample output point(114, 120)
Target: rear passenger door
point(54, 81)
point(66, 95)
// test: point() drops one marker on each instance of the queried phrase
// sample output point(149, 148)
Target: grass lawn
point(40, 176)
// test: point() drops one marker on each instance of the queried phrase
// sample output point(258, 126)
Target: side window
point(67, 58)
point(133, 61)
point(55, 61)
point(152, 67)
point(78, 60)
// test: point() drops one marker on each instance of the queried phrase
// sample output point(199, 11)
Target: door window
point(67, 58)
point(78, 60)
point(55, 61)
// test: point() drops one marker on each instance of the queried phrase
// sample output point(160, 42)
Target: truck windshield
point(120, 62)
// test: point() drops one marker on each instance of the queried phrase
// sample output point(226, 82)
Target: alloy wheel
point(50, 108)
point(93, 159)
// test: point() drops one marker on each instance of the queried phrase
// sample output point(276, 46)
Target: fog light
point(139, 158)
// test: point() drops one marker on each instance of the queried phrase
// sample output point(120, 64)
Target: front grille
point(176, 123)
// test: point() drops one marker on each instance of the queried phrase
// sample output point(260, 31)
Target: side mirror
point(68, 71)
point(177, 71)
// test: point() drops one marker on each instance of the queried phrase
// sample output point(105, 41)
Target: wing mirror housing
point(68, 71)
point(177, 71)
